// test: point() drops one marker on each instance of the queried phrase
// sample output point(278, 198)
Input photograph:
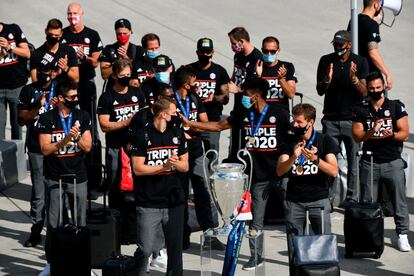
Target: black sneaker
point(250, 265)
point(216, 244)
point(33, 240)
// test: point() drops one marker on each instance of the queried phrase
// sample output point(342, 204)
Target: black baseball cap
point(205, 44)
point(342, 37)
point(123, 23)
point(162, 61)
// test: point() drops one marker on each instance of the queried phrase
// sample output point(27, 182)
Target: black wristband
point(316, 161)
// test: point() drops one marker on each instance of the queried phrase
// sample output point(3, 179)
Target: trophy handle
point(207, 178)
point(245, 151)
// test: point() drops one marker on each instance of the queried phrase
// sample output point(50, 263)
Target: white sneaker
point(403, 244)
point(147, 265)
point(45, 271)
point(160, 261)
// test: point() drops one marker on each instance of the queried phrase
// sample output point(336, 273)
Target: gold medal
point(299, 168)
point(251, 140)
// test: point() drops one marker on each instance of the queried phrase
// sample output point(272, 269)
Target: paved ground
point(305, 29)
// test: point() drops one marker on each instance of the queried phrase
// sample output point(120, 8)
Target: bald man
point(88, 46)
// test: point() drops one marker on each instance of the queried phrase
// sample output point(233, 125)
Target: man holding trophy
point(264, 128)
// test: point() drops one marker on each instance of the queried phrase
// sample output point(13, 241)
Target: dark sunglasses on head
point(267, 51)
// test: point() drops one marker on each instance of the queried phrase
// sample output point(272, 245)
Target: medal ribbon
point(51, 95)
point(186, 111)
point(259, 123)
point(66, 124)
point(302, 158)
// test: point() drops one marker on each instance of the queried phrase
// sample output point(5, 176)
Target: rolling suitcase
point(103, 225)
point(315, 255)
point(364, 224)
point(122, 265)
point(70, 243)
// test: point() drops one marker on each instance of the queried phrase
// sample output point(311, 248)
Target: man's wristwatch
point(316, 161)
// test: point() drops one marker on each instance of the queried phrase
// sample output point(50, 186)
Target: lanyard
point(66, 124)
point(259, 123)
point(186, 112)
point(51, 95)
point(302, 158)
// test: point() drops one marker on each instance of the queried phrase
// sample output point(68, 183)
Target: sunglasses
point(205, 52)
point(73, 97)
point(267, 51)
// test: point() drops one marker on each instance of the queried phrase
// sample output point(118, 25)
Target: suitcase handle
point(307, 222)
point(371, 154)
point(75, 211)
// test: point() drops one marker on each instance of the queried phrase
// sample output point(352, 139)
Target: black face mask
point(204, 60)
point(124, 81)
point(341, 51)
point(193, 89)
point(376, 96)
point(298, 132)
point(71, 104)
point(51, 40)
point(42, 79)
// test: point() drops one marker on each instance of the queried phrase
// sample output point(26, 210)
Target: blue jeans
point(9, 97)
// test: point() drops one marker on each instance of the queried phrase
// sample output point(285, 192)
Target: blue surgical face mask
point(152, 54)
point(246, 102)
point(269, 58)
point(162, 77)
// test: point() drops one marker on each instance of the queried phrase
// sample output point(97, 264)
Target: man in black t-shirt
point(264, 127)
point(163, 72)
point(143, 68)
point(61, 58)
point(212, 81)
point(88, 46)
point(122, 48)
point(115, 110)
point(191, 107)
point(369, 38)
point(279, 74)
point(382, 125)
point(64, 138)
point(159, 154)
point(245, 60)
point(14, 53)
point(309, 160)
point(341, 79)
point(35, 99)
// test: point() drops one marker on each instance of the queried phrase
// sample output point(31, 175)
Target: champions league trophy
point(227, 185)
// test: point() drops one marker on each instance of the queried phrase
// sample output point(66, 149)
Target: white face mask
point(74, 19)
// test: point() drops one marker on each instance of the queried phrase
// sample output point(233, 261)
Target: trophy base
point(211, 261)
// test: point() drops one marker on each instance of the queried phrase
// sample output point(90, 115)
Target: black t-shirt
point(13, 68)
point(209, 82)
point(68, 159)
point(368, 31)
point(28, 100)
point(150, 90)
point(341, 95)
point(384, 149)
point(140, 67)
point(43, 57)
point(272, 132)
point(275, 95)
point(310, 184)
point(90, 41)
point(119, 107)
point(195, 147)
point(244, 67)
point(110, 54)
point(165, 189)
